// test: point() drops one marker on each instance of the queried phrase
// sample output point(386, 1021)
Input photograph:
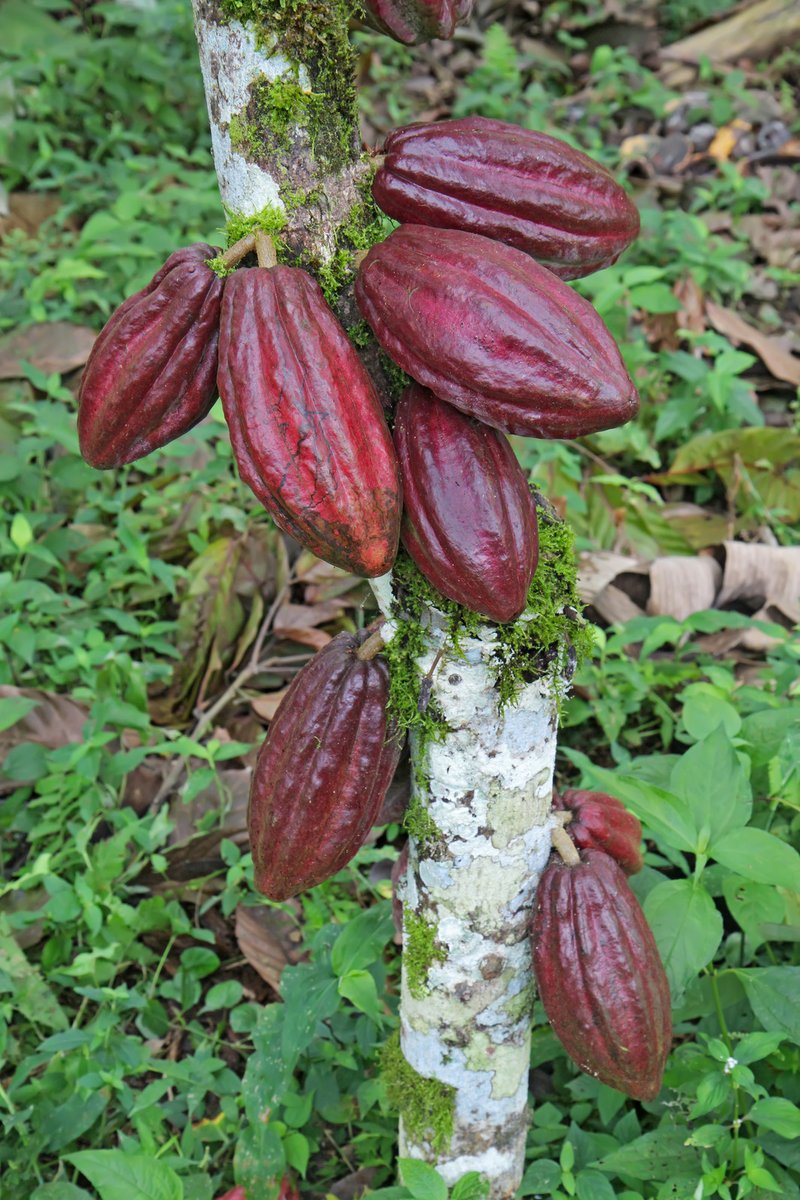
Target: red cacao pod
point(412, 21)
point(287, 1192)
point(152, 373)
point(601, 822)
point(492, 332)
point(306, 424)
point(469, 521)
point(600, 976)
point(515, 185)
point(323, 771)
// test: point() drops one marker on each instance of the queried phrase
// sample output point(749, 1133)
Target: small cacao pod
point(515, 185)
point(601, 822)
point(469, 521)
point(306, 424)
point(412, 21)
point(152, 373)
point(600, 976)
point(492, 332)
point(323, 771)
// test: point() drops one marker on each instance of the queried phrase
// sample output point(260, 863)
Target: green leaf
point(119, 1176)
point(591, 1185)
point(13, 709)
point(422, 1180)
point(362, 941)
point(706, 710)
point(472, 1186)
point(259, 1161)
point(755, 1046)
point(21, 533)
point(32, 996)
point(658, 1155)
point(60, 1190)
point(781, 1116)
point(667, 816)
point(359, 988)
point(687, 928)
point(759, 856)
point(773, 992)
point(711, 779)
point(752, 905)
point(541, 1178)
point(310, 996)
point(67, 1122)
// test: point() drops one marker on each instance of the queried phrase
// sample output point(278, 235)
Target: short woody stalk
point(482, 791)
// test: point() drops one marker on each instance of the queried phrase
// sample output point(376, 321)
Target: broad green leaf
point(658, 1155)
point(765, 731)
point(363, 939)
point(13, 709)
point(310, 996)
point(72, 1118)
point(472, 1186)
point(422, 1180)
point(259, 1161)
point(710, 778)
point(773, 992)
point(591, 1185)
point(60, 1190)
point(687, 928)
point(668, 817)
point(33, 997)
point(759, 856)
point(705, 710)
point(753, 905)
point(541, 1178)
point(755, 1046)
point(359, 988)
point(777, 1114)
point(119, 1176)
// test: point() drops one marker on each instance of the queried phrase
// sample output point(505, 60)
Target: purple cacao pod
point(511, 184)
point(600, 976)
point(412, 21)
point(306, 424)
point(323, 771)
point(152, 373)
point(492, 332)
point(469, 521)
point(601, 822)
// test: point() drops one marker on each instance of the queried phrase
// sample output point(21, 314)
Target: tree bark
point(482, 788)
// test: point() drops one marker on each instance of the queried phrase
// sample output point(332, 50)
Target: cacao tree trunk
point(482, 789)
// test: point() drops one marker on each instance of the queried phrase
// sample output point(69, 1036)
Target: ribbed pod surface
point(323, 771)
point(599, 975)
point(152, 373)
point(413, 21)
point(601, 822)
point(469, 520)
point(306, 424)
point(515, 185)
point(494, 333)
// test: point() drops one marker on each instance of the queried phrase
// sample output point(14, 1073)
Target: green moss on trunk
point(427, 1106)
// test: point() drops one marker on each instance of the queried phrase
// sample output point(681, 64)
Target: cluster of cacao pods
point(412, 21)
point(597, 967)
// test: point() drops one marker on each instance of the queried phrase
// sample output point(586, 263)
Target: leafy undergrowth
point(153, 1009)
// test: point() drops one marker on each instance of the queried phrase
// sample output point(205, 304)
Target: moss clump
point(427, 1106)
point(419, 951)
point(313, 33)
point(418, 822)
point(362, 229)
point(270, 219)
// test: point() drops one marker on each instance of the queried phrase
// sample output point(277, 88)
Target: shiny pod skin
point(306, 423)
point(152, 373)
point(492, 332)
point(601, 822)
point(412, 21)
point(469, 521)
point(322, 774)
point(511, 184)
point(600, 976)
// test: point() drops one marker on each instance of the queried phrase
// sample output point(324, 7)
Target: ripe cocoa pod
point(152, 373)
point(601, 822)
point(515, 185)
point(469, 521)
point(323, 771)
point(306, 424)
point(412, 21)
point(492, 332)
point(600, 976)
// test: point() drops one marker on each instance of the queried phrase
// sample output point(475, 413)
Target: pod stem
point(564, 846)
point(239, 250)
point(372, 646)
point(265, 250)
point(564, 817)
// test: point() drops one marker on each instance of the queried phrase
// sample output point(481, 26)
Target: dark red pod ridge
point(412, 21)
point(493, 333)
point(514, 185)
point(305, 420)
point(601, 822)
point(323, 771)
point(152, 373)
point(600, 976)
point(469, 521)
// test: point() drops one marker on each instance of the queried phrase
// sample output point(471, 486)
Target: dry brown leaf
point(263, 937)
point(55, 347)
point(267, 705)
point(56, 720)
point(692, 314)
point(779, 362)
point(27, 211)
point(298, 622)
point(682, 585)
